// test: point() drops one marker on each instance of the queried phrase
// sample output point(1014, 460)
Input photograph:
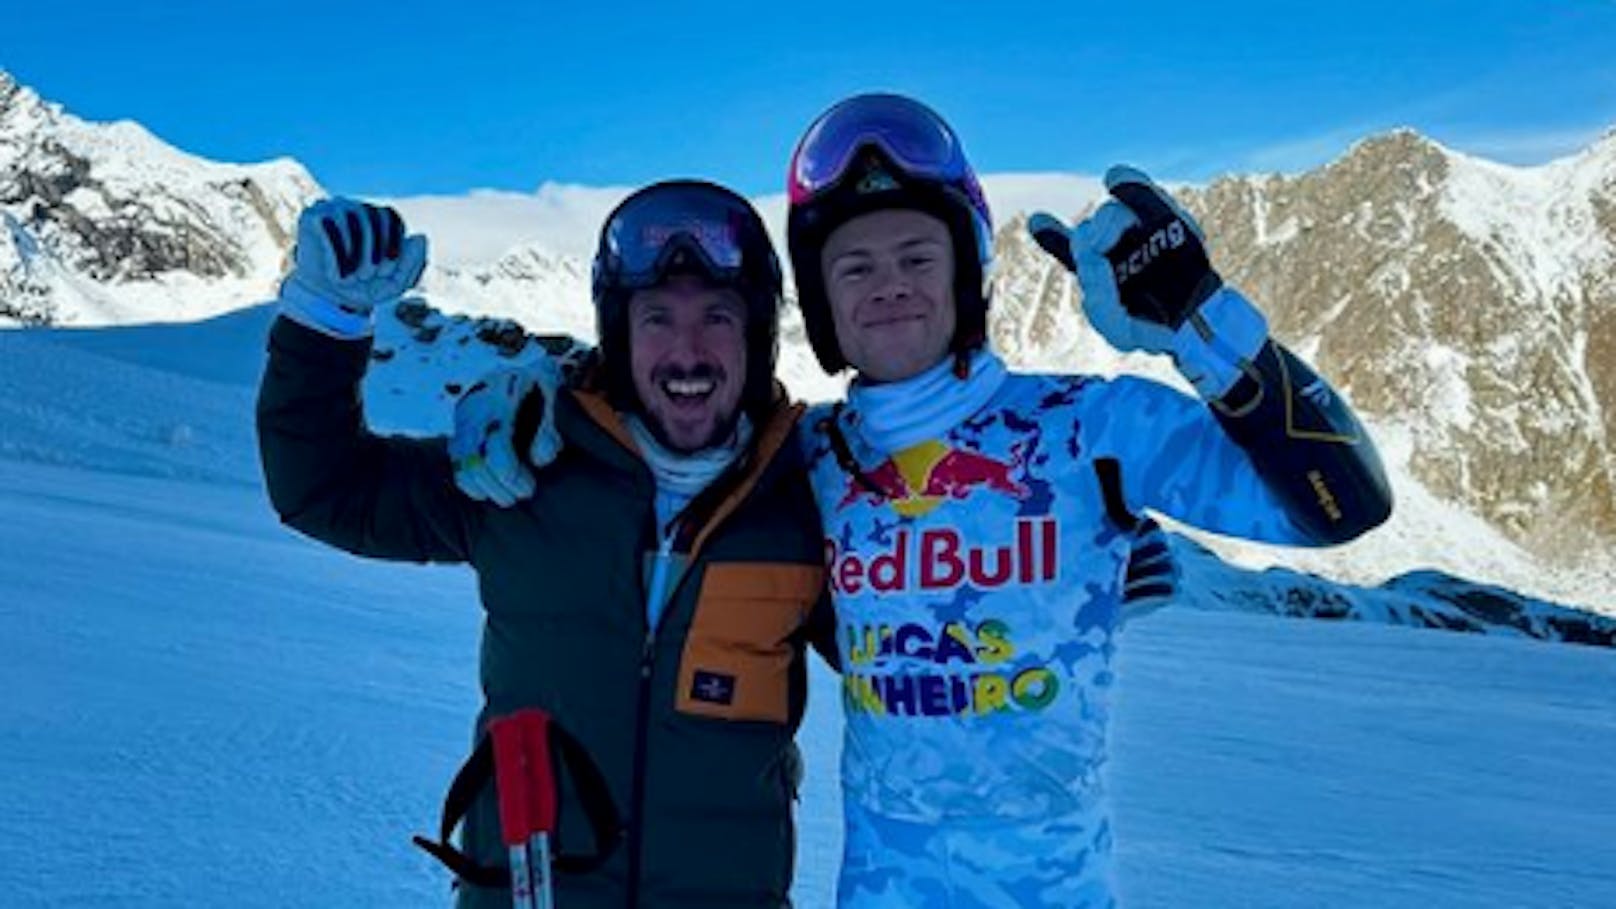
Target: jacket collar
point(587, 421)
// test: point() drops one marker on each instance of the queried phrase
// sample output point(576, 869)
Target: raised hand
point(350, 257)
point(1148, 284)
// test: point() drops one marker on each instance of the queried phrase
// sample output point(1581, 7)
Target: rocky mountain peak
point(1460, 298)
point(1402, 149)
point(1471, 305)
point(21, 108)
point(97, 216)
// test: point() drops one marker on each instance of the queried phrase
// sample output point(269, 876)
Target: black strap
point(474, 774)
point(844, 454)
point(1109, 472)
point(596, 798)
point(478, 772)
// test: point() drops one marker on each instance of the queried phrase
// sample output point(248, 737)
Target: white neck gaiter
point(680, 476)
point(895, 415)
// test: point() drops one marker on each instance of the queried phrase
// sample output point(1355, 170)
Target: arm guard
point(1308, 446)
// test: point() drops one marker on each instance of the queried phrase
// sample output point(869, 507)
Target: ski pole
point(525, 782)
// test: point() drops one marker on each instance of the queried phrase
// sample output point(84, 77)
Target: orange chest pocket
point(737, 658)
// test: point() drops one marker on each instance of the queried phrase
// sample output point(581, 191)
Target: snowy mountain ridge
point(1473, 303)
point(1467, 308)
point(107, 224)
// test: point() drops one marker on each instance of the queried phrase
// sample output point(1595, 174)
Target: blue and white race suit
point(977, 581)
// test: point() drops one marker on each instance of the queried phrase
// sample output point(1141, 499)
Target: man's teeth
point(689, 388)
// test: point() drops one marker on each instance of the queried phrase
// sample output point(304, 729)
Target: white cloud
point(482, 225)
point(1062, 195)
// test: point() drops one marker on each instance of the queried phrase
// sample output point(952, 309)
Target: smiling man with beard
point(653, 592)
point(688, 376)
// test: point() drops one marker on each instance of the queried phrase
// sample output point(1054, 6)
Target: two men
point(978, 522)
point(656, 592)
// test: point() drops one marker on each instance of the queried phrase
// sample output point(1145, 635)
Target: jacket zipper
point(663, 597)
point(658, 594)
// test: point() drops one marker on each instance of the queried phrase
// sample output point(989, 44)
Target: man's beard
point(723, 431)
point(723, 427)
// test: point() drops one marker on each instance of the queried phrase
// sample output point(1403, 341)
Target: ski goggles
point(680, 225)
point(909, 134)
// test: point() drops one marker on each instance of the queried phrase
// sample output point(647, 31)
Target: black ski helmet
point(881, 151)
point(690, 227)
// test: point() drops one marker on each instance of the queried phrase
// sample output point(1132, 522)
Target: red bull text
point(936, 559)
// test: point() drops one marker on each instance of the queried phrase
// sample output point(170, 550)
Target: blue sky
point(412, 98)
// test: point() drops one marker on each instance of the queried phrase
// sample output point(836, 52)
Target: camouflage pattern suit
point(977, 586)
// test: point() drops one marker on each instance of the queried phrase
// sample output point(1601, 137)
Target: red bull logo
point(920, 478)
point(941, 558)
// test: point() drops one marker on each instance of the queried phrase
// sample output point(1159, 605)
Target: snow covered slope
point(204, 709)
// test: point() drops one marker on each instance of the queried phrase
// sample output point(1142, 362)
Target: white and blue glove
point(494, 458)
point(350, 258)
point(1148, 285)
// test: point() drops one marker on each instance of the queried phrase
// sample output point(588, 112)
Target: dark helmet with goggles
point(874, 152)
point(687, 227)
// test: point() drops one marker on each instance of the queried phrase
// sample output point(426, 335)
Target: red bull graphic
point(918, 479)
point(953, 670)
point(940, 559)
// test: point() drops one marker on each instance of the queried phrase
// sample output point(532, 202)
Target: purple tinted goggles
point(907, 132)
point(684, 224)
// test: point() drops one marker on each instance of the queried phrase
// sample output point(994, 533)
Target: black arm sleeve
point(331, 478)
point(1308, 446)
point(821, 631)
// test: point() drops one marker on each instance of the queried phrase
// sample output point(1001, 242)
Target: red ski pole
point(525, 781)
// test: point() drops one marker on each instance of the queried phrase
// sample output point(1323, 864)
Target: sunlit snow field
point(198, 707)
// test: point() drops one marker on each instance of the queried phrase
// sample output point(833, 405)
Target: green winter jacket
point(690, 723)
